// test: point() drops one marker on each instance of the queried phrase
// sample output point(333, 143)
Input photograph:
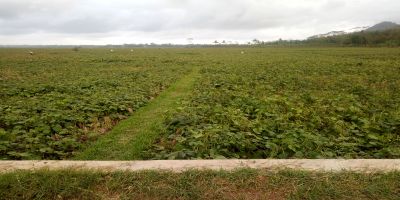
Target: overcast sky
point(173, 21)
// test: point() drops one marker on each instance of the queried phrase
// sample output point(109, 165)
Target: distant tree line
point(364, 38)
point(388, 38)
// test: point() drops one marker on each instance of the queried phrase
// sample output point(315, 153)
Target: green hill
point(382, 34)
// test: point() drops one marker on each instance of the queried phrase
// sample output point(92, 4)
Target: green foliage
point(290, 103)
point(55, 101)
point(267, 102)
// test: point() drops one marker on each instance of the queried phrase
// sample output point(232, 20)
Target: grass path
point(130, 137)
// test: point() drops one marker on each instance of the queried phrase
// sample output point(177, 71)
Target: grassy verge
point(240, 184)
point(130, 137)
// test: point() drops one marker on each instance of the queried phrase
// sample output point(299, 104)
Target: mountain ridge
point(382, 26)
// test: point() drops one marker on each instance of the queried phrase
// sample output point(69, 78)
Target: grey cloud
point(198, 18)
point(241, 15)
point(12, 9)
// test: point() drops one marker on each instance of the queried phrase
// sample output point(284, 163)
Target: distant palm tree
point(256, 41)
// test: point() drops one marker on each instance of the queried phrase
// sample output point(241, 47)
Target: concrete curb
point(334, 165)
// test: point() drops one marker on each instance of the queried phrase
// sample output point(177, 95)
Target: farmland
point(264, 103)
point(297, 103)
point(56, 100)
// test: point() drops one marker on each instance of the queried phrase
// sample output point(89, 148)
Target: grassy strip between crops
point(239, 184)
point(129, 138)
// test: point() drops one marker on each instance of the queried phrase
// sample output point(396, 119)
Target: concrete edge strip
point(330, 165)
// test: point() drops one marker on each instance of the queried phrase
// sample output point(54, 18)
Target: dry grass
point(240, 184)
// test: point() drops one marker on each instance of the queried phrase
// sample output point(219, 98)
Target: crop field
point(290, 103)
point(56, 100)
point(262, 103)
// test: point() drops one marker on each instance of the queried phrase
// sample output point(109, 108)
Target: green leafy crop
point(55, 101)
point(289, 103)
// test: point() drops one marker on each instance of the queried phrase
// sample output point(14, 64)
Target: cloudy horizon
point(99, 22)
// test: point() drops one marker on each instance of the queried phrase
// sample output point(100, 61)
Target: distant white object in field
point(131, 50)
point(31, 52)
point(111, 50)
point(242, 52)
